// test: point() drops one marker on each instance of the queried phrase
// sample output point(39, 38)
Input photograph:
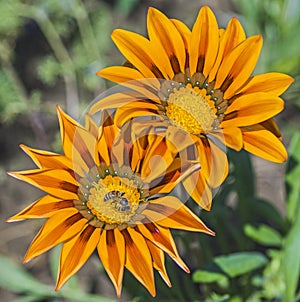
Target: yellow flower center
point(191, 109)
point(111, 197)
point(114, 200)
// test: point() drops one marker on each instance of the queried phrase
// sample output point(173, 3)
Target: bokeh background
point(50, 51)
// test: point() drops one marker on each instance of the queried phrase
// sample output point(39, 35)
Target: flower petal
point(238, 65)
point(165, 36)
point(42, 208)
point(158, 258)
point(79, 145)
point(197, 187)
point(230, 136)
point(75, 253)
point(169, 212)
point(58, 183)
point(120, 74)
point(140, 52)
point(204, 42)
point(58, 228)
point(251, 109)
point(273, 83)
point(44, 159)
point(186, 37)
point(230, 38)
point(111, 249)
point(264, 144)
point(163, 239)
point(138, 259)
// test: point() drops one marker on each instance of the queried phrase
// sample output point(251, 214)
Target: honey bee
point(119, 202)
point(112, 195)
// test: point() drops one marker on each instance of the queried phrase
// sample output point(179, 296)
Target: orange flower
point(108, 192)
point(198, 82)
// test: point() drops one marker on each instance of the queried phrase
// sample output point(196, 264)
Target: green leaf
point(205, 276)
point(263, 235)
point(237, 264)
point(291, 260)
point(15, 278)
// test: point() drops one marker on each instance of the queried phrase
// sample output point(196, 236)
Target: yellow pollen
point(114, 200)
point(191, 110)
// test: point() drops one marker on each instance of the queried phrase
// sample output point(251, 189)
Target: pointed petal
point(186, 37)
point(58, 228)
point(120, 74)
point(250, 109)
point(238, 65)
point(111, 249)
point(204, 42)
point(165, 37)
point(158, 258)
point(169, 212)
point(163, 239)
point(58, 183)
point(231, 137)
point(44, 159)
point(140, 52)
point(264, 144)
point(138, 259)
point(273, 83)
point(75, 253)
point(42, 208)
point(230, 38)
point(197, 187)
point(270, 125)
point(91, 126)
point(78, 143)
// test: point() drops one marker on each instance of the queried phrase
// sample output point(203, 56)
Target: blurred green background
point(50, 51)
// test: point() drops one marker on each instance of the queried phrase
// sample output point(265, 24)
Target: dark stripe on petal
point(200, 64)
point(175, 64)
point(68, 186)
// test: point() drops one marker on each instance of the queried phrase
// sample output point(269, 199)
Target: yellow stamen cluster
point(113, 201)
point(190, 110)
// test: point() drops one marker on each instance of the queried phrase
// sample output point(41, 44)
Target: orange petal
point(270, 125)
point(44, 159)
point(138, 259)
point(264, 144)
point(158, 259)
point(204, 42)
point(111, 249)
point(141, 53)
point(75, 253)
point(78, 143)
point(91, 126)
point(169, 212)
point(165, 37)
point(273, 83)
point(230, 38)
point(120, 74)
point(186, 37)
point(42, 208)
point(231, 137)
point(163, 239)
point(213, 161)
point(238, 65)
point(250, 109)
point(197, 187)
point(58, 228)
point(58, 183)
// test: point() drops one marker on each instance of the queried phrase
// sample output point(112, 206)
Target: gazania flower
point(108, 192)
point(199, 82)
